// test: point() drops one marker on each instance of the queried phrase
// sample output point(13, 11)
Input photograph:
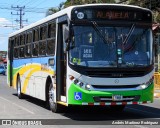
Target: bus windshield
point(103, 46)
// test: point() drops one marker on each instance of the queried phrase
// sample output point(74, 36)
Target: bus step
point(62, 103)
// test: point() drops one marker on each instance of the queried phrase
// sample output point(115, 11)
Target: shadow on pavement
point(103, 113)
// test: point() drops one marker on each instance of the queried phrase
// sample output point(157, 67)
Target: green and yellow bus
point(95, 55)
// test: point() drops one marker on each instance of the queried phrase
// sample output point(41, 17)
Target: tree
point(154, 5)
point(51, 11)
point(80, 2)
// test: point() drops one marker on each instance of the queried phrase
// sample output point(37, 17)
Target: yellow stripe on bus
point(36, 68)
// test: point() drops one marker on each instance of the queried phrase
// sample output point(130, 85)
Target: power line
point(22, 2)
point(35, 10)
point(20, 13)
point(16, 1)
point(39, 3)
point(31, 1)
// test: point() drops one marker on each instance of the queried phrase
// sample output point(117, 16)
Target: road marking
point(143, 111)
point(17, 105)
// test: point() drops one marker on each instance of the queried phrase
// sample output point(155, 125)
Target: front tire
point(19, 94)
point(53, 106)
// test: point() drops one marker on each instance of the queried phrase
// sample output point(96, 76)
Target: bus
point(91, 55)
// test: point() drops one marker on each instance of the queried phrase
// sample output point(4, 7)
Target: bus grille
point(113, 74)
point(114, 86)
point(110, 99)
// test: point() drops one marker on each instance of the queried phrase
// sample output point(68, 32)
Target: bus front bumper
point(79, 96)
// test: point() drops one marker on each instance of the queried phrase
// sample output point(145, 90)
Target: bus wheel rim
point(51, 97)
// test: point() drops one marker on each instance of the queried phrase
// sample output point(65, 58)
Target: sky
point(34, 10)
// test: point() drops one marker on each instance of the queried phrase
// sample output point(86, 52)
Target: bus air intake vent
point(112, 74)
point(110, 99)
point(114, 86)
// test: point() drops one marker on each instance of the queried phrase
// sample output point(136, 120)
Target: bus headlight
point(79, 83)
point(76, 81)
point(145, 85)
point(87, 87)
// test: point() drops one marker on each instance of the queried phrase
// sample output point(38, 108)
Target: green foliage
point(51, 11)
point(75, 2)
point(150, 4)
point(158, 18)
point(80, 2)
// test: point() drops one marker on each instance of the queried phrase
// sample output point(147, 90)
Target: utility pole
point(20, 13)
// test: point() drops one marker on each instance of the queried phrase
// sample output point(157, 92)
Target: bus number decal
point(87, 52)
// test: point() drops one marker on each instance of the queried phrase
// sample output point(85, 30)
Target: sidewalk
point(156, 93)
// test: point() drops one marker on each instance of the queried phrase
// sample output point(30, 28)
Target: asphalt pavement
point(31, 109)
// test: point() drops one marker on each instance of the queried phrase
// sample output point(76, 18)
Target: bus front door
point(61, 65)
point(10, 65)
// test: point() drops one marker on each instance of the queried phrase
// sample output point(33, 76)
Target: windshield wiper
point(95, 26)
point(129, 34)
point(136, 40)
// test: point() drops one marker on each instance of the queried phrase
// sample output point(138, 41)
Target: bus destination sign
point(111, 14)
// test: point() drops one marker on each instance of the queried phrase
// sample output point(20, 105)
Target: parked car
point(2, 69)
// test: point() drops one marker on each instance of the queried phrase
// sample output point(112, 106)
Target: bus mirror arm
point(67, 47)
point(66, 34)
point(67, 37)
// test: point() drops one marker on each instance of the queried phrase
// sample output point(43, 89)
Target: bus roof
point(67, 11)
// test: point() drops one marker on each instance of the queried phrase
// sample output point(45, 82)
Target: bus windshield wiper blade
point(129, 34)
point(95, 26)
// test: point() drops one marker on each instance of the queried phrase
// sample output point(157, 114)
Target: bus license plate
point(117, 97)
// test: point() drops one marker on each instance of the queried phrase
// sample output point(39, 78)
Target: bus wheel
point(54, 107)
point(19, 94)
point(118, 108)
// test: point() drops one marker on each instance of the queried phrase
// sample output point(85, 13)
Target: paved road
point(29, 108)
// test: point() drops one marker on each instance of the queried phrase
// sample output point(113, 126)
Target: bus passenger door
point(10, 64)
point(61, 63)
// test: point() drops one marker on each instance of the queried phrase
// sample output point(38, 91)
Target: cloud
point(3, 43)
point(5, 29)
point(4, 21)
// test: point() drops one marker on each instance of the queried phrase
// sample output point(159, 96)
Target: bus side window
point(51, 47)
point(28, 50)
point(51, 30)
point(35, 49)
point(22, 39)
point(35, 46)
point(42, 48)
point(42, 43)
point(15, 52)
point(43, 32)
point(36, 35)
point(51, 38)
point(16, 41)
point(16, 47)
point(28, 44)
point(21, 52)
